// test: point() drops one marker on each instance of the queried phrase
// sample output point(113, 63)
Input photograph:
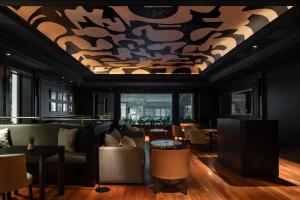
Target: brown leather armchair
point(171, 165)
point(177, 131)
point(198, 136)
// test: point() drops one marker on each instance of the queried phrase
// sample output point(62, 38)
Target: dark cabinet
point(249, 147)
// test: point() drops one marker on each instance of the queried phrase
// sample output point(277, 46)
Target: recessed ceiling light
point(8, 54)
point(62, 77)
point(254, 46)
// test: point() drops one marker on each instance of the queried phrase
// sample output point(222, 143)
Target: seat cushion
point(4, 138)
point(127, 142)
point(70, 157)
point(67, 138)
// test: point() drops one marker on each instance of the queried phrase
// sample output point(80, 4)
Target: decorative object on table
point(4, 138)
point(31, 140)
point(52, 107)
point(59, 96)
point(65, 97)
point(52, 94)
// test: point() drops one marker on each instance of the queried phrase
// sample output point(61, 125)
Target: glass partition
point(186, 114)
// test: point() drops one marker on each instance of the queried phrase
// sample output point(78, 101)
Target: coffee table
point(38, 155)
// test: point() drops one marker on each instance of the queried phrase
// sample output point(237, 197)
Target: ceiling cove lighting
point(148, 39)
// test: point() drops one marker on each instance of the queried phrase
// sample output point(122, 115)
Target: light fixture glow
point(8, 54)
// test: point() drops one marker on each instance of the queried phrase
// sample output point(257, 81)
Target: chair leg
point(3, 196)
point(9, 196)
point(16, 192)
point(30, 192)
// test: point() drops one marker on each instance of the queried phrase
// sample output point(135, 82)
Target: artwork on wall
point(59, 96)
point(70, 108)
point(70, 98)
point(59, 107)
point(52, 94)
point(65, 107)
point(60, 101)
point(52, 107)
point(65, 97)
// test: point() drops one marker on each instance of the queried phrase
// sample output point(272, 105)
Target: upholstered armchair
point(122, 164)
point(177, 131)
point(198, 136)
point(13, 174)
point(171, 165)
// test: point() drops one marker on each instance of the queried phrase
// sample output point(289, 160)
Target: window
point(13, 97)
point(186, 113)
point(146, 106)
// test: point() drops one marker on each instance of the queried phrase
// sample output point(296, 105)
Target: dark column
point(175, 108)
point(117, 107)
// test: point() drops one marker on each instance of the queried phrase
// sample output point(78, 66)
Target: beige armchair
point(13, 174)
point(177, 131)
point(122, 164)
point(198, 136)
point(171, 165)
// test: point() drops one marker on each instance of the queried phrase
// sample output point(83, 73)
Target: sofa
point(123, 164)
point(82, 162)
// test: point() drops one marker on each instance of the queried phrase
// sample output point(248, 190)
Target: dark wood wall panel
point(1, 90)
point(284, 106)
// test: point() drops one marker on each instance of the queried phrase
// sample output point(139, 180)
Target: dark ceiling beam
point(26, 42)
point(152, 2)
point(261, 55)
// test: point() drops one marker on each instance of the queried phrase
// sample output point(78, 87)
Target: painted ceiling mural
point(148, 39)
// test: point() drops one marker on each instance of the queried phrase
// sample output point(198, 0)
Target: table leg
point(210, 140)
point(42, 177)
point(60, 172)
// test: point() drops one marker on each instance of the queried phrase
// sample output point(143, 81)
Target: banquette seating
point(80, 162)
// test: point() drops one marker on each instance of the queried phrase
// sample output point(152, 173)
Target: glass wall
point(186, 107)
point(146, 106)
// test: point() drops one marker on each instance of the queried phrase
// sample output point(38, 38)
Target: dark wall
point(224, 98)
point(284, 106)
point(2, 90)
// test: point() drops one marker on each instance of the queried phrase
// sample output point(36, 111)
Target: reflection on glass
point(186, 114)
point(146, 106)
point(241, 102)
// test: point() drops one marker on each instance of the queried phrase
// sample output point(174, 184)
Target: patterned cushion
point(116, 133)
point(4, 138)
point(127, 142)
point(67, 138)
point(111, 141)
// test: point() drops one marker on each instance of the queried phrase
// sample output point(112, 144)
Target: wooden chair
point(198, 137)
point(170, 168)
point(13, 175)
point(177, 131)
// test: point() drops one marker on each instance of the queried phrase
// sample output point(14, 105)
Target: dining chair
point(170, 168)
point(13, 175)
point(198, 136)
point(177, 131)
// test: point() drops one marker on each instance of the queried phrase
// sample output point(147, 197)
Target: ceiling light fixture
point(255, 46)
point(8, 54)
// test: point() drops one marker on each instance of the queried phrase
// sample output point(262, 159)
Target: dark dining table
point(38, 155)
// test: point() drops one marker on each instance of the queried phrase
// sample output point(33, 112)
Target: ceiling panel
point(148, 39)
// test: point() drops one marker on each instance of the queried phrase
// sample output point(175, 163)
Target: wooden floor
point(208, 180)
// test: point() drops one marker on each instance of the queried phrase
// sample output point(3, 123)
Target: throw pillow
point(4, 138)
point(127, 142)
point(111, 141)
point(67, 138)
point(116, 133)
